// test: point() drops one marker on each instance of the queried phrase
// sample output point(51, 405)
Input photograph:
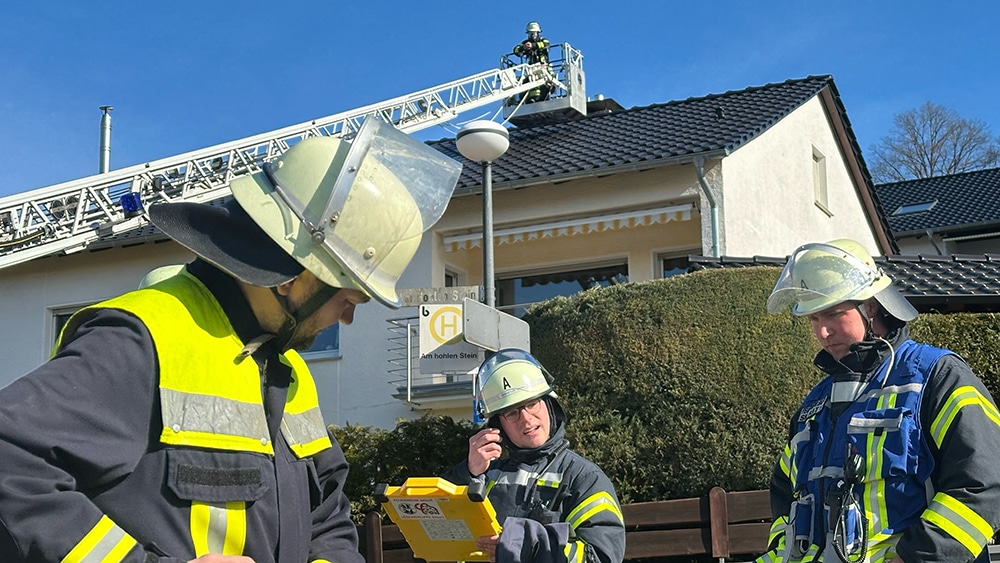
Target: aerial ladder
point(68, 217)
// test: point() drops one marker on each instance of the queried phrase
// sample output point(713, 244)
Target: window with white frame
point(515, 294)
point(820, 193)
point(673, 265)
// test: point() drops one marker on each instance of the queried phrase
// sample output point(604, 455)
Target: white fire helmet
point(352, 213)
point(821, 275)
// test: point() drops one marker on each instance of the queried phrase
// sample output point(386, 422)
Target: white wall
point(31, 291)
point(352, 389)
point(768, 202)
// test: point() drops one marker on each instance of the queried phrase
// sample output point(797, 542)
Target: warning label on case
point(418, 509)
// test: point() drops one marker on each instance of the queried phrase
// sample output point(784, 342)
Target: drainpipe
point(105, 139)
point(699, 167)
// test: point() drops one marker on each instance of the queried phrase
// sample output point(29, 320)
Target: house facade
point(624, 195)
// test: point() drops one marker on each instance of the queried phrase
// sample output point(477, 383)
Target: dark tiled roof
point(642, 137)
point(945, 283)
point(969, 199)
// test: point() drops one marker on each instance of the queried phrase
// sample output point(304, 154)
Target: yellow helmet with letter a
point(821, 275)
point(510, 378)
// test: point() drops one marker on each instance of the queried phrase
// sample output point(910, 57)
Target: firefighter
point(177, 422)
point(552, 504)
point(534, 49)
point(891, 457)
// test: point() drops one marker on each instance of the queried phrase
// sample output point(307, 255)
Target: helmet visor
point(818, 276)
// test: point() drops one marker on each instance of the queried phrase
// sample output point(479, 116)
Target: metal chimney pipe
point(105, 139)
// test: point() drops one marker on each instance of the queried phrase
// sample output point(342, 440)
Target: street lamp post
point(485, 141)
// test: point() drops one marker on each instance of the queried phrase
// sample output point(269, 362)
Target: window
point(515, 294)
point(326, 345)
point(819, 181)
point(59, 316)
point(673, 265)
point(915, 208)
point(59, 319)
point(451, 279)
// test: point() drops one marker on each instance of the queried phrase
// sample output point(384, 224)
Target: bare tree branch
point(932, 140)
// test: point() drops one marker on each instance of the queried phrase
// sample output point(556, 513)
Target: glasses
point(514, 414)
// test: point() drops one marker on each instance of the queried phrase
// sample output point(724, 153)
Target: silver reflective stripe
point(822, 472)
point(191, 412)
point(798, 438)
point(894, 390)
point(574, 552)
point(112, 545)
point(864, 425)
point(845, 391)
point(524, 478)
point(303, 428)
point(218, 525)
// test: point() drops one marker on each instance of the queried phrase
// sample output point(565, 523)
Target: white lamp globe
point(482, 140)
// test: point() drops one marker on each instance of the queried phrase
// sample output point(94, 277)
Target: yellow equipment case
point(440, 520)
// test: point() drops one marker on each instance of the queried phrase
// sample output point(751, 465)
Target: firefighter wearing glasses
point(552, 504)
point(893, 456)
point(178, 422)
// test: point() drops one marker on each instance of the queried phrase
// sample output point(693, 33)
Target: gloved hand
point(527, 541)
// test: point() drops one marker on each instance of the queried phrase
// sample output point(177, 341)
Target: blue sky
point(183, 75)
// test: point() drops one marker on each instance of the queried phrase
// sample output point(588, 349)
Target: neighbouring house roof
point(943, 204)
point(932, 283)
point(665, 134)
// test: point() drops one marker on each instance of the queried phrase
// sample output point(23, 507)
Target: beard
point(302, 338)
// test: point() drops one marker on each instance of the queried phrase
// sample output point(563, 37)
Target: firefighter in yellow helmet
point(892, 456)
point(552, 504)
point(177, 422)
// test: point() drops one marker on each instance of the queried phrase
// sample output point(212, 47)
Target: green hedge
point(673, 386)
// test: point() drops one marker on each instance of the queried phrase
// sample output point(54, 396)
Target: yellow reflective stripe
point(876, 509)
point(104, 543)
point(302, 422)
point(960, 398)
point(216, 441)
point(218, 527)
point(777, 528)
point(591, 505)
point(550, 483)
point(769, 557)
point(574, 551)
point(305, 432)
point(320, 561)
point(959, 521)
point(785, 461)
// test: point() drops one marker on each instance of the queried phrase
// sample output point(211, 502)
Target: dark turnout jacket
point(959, 428)
point(553, 504)
point(85, 476)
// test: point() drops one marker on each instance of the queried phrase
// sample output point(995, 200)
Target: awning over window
point(584, 225)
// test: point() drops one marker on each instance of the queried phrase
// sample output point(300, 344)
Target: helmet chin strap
point(292, 319)
point(871, 335)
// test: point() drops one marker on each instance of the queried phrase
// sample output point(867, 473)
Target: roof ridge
point(938, 178)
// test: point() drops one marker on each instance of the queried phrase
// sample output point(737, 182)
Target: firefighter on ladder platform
point(534, 49)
